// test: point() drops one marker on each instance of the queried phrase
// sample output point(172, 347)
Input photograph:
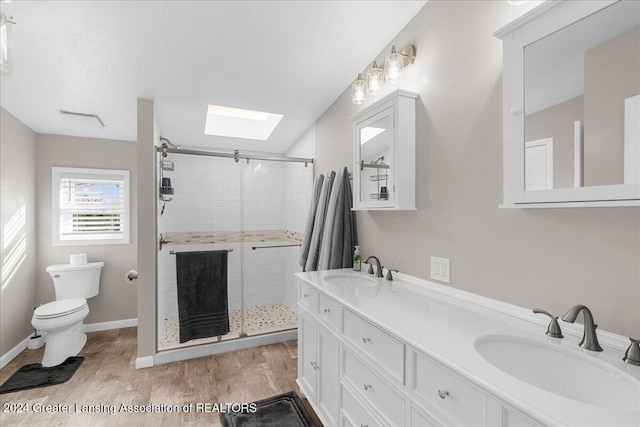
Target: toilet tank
point(76, 281)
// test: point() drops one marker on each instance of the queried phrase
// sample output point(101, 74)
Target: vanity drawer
point(308, 297)
point(374, 390)
point(330, 312)
point(449, 394)
point(385, 350)
point(354, 414)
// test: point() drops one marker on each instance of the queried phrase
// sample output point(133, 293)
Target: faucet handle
point(632, 355)
point(553, 330)
point(389, 276)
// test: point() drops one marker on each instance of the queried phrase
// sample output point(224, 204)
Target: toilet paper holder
point(131, 275)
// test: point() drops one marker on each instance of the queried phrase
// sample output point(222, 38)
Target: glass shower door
point(205, 213)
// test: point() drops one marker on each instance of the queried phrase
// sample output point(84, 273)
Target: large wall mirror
point(572, 104)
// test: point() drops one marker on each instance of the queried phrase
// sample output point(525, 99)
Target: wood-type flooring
point(107, 380)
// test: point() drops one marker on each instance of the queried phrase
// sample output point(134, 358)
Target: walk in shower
point(254, 206)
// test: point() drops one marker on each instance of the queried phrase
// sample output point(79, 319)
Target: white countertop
point(444, 327)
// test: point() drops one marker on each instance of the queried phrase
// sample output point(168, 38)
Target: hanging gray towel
point(203, 308)
point(345, 235)
point(326, 245)
point(308, 230)
point(318, 226)
point(340, 235)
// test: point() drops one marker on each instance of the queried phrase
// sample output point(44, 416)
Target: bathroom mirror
point(384, 150)
point(376, 143)
point(572, 105)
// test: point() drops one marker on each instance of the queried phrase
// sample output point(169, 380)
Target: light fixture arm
point(408, 54)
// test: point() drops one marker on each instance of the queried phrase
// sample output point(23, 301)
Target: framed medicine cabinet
point(384, 154)
point(571, 108)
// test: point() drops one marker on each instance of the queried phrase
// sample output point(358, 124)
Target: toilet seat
point(60, 308)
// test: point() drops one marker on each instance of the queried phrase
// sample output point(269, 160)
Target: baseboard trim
point(11, 354)
point(91, 327)
point(144, 362)
point(114, 324)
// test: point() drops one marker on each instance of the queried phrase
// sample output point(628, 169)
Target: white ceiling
point(287, 57)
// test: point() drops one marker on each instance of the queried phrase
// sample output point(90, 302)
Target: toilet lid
point(59, 308)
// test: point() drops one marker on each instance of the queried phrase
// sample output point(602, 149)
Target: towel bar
point(253, 248)
point(174, 252)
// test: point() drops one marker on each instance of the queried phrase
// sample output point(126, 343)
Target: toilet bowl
point(62, 321)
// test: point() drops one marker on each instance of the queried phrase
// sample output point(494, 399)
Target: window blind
point(91, 208)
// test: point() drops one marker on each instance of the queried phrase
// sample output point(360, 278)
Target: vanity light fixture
point(359, 90)
point(376, 77)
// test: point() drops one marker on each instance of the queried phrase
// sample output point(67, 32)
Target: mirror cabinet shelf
point(384, 151)
point(571, 107)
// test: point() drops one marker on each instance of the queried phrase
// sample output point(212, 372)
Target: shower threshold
point(259, 320)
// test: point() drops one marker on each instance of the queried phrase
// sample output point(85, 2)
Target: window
point(90, 206)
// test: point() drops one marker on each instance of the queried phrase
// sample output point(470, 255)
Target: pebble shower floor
point(259, 319)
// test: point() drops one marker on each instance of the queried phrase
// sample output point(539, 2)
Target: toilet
point(61, 319)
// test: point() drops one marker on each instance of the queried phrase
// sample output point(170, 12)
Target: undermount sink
point(561, 371)
point(350, 280)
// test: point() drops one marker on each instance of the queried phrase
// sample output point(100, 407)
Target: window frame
point(57, 174)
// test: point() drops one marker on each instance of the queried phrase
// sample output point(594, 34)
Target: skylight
point(368, 133)
point(239, 123)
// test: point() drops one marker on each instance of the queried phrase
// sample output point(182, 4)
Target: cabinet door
point(308, 365)
point(329, 376)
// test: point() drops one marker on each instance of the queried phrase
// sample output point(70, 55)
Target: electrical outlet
point(440, 269)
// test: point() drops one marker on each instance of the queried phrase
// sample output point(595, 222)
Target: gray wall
point(148, 133)
point(550, 258)
point(17, 175)
point(117, 299)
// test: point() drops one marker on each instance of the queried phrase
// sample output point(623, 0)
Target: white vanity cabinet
point(356, 373)
point(449, 399)
point(318, 366)
point(384, 154)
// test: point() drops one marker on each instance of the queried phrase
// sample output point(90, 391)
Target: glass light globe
point(375, 79)
point(359, 90)
point(393, 65)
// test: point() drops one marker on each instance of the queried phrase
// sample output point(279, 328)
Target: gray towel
point(344, 235)
point(350, 218)
point(326, 246)
point(203, 309)
point(308, 230)
point(318, 226)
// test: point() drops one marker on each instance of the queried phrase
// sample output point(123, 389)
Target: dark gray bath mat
point(284, 410)
point(35, 375)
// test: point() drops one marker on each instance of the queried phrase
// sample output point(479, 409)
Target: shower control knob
point(443, 393)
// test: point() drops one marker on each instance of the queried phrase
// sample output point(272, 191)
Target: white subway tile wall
point(219, 195)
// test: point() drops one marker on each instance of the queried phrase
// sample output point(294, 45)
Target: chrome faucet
point(589, 337)
point(378, 266)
